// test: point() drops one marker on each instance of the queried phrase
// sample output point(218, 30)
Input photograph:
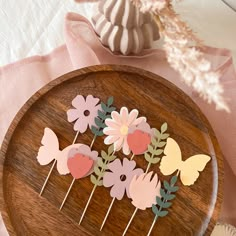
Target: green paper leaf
point(110, 109)
point(104, 107)
point(155, 210)
point(162, 213)
point(110, 149)
point(111, 158)
point(102, 115)
point(161, 144)
point(101, 164)
point(99, 123)
point(100, 133)
point(170, 197)
point(147, 157)
point(157, 133)
point(110, 101)
point(97, 170)
point(104, 155)
point(167, 204)
point(159, 201)
point(174, 189)
point(93, 179)
point(173, 180)
point(154, 160)
point(94, 130)
point(166, 185)
point(154, 142)
point(100, 183)
point(164, 127)
point(150, 148)
point(158, 152)
point(163, 193)
point(164, 136)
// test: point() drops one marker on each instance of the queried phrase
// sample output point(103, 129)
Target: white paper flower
point(118, 127)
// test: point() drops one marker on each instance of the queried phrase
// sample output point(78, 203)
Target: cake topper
point(188, 171)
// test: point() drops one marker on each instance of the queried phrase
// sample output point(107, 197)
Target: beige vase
point(123, 28)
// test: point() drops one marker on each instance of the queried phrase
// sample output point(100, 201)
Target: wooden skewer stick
point(67, 194)
point(153, 223)
point(85, 209)
point(46, 181)
point(104, 221)
point(130, 221)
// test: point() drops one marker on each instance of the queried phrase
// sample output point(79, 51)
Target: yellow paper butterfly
point(189, 169)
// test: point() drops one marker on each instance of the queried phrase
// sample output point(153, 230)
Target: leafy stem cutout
point(156, 148)
point(102, 166)
point(167, 194)
point(103, 114)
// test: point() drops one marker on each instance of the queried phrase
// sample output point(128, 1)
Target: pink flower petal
point(111, 131)
point(132, 116)
point(73, 114)
point(118, 144)
point(136, 172)
point(81, 125)
point(93, 113)
point(128, 165)
point(124, 114)
point(116, 117)
point(115, 166)
point(91, 101)
point(112, 124)
point(78, 102)
point(108, 179)
point(118, 191)
point(126, 149)
point(111, 139)
point(139, 120)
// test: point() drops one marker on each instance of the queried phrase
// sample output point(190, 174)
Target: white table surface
point(36, 27)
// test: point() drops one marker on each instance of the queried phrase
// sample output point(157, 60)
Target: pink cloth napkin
point(20, 80)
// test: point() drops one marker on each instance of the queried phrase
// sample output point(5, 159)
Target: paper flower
point(84, 112)
point(81, 161)
point(120, 177)
point(118, 128)
point(139, 138)
point(143, 190)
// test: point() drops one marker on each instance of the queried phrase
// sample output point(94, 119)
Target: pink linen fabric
point(20, 80)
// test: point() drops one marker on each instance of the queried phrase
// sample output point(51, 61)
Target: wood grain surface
point(195, 209)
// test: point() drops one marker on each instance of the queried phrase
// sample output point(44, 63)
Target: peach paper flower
point(118, 127)
point(144, 189)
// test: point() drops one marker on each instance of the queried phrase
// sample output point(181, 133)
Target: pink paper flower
point(118, 128)
point(144, 189)
point(80, 161)
point(84, 112)
point(120, 177)
point(139, 138)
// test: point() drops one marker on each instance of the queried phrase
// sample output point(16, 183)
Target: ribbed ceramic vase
point(123, 28)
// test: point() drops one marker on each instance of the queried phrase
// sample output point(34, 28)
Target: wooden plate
point(195, 209)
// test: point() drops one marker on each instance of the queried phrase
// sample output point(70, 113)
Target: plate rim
point(85, 71)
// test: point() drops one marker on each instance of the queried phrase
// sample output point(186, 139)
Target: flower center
point(124, 130)
point(122, 178)
point(86, 112)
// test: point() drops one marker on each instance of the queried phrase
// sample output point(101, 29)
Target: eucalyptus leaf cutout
point(156, 148)
point(103, 114)
point(163, 203)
